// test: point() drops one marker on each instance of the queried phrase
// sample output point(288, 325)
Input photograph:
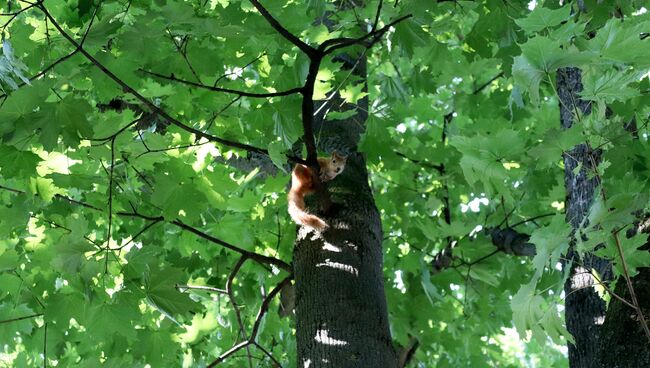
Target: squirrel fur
point(302, 184)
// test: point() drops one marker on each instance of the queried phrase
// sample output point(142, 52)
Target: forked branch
point(258, 320)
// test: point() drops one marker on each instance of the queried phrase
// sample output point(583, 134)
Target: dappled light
point(345, 184)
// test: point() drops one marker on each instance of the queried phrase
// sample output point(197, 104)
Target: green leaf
point(621, 42)
point(277, 155)
point(9, 312)
point(160, 290)
point(178, 197)
point(10, 67)
point(609, 86)
point(70, 254)
point(540, 57)
point(17, 163)
point(551, 242)
point(542, 18)
point(8, 260)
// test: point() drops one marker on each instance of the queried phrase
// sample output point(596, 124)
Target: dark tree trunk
point(341, 313)
point(584, 309)
point(341, 316)
point(622, 341)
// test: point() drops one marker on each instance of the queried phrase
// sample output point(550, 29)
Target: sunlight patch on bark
point(323, 338)
point(581, 279)
point(331, 247)
point(339, 266)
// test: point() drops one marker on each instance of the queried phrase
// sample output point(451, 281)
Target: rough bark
point(341, 313)
point(622, 341)
point(623, 344)
point(584, 309)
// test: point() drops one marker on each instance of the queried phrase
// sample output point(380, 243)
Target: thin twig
point(376, 22)
point(235, 307)
point(334, 44)
point(155, 109)
point(173, 78)
point(21, 318)
point(262, 259)
point(45, 70)
point(242, 68)
point(183, 53)
point(203, 288)
point(479, 89)
point(259, 258)
point(45, 346)
point(258, 320)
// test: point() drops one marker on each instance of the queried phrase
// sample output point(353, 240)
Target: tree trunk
point(622, 341)
point(341, 313)
point(584, 309)
point(623, 344)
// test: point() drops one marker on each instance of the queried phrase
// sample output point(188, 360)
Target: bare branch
point(114, 135)
point(92, 20)
point(265, 305)
point(308, 113)
point(14, 15)
point(183, 53)
point(268, 354)
point(110, 203)
point(242, 68)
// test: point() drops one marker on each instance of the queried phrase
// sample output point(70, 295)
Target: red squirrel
point(302, 184)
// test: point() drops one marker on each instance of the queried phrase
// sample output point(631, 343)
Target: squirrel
point(302, 184)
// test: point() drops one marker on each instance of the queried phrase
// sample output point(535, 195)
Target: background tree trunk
point(585, 310)
point(622, 341)
point(623, 344)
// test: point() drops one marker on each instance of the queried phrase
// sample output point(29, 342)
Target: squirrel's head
point(335, 167)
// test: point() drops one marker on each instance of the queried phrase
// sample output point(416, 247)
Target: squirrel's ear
point(338, 156)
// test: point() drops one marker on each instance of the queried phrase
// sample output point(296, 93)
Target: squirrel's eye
point(338, 169)
point(333, 161)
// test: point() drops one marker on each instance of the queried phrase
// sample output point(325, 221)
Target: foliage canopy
point(109, 209)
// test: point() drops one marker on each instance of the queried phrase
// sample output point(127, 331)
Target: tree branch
point(45, 70)
point(21, 318)
point(482, 87)
point(233, 303)
point(308, 50)
point(308, 113)
point(439, 168)
point(258, 320)
point(333, 44)
point(259, 258)
point(225, 90)
point(143, 99)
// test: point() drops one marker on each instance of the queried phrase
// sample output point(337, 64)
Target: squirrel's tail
point(302, 217)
